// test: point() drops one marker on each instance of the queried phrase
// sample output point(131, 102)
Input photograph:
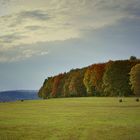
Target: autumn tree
point(116, 78)
point(93, 79)
point(88, 82)
point(97, 78)
point(73, 85)
point(135, 79)
point(56, 86)
point(65, 91)
point(46, 89)
point(76, 85)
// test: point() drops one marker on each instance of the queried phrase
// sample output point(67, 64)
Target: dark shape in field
point(120, 100)
point(137, 100)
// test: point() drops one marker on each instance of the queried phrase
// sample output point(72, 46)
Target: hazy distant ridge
point(18, 95)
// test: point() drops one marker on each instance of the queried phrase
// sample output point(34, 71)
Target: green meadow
point(85, 118)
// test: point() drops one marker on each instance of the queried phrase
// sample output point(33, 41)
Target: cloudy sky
point(40, 38)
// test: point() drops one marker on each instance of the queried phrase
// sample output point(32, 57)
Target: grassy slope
point(71, 119)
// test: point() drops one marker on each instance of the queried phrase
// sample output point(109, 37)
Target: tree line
point(113, 78)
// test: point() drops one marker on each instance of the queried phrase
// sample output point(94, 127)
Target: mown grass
point(86, 118)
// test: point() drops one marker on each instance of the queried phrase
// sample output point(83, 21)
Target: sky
point(41, 38)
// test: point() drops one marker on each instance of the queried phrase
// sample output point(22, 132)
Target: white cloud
point(29, 22)
point(22, 52)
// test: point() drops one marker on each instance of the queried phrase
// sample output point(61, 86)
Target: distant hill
point(7, 96)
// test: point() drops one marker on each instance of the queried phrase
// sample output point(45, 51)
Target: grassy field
point(71, 119)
